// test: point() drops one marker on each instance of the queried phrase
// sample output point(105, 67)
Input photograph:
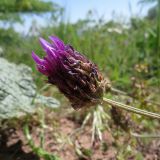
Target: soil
point(62, 139)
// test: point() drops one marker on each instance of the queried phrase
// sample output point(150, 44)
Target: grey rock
point(18, 91)
point(47, 101)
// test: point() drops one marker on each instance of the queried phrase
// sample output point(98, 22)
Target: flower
point(76, 77)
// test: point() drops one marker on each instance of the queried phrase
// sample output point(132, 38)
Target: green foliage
point(114, 48)
point(12, 10)
point(9, 37)
point(14, 6)
point(152, 13)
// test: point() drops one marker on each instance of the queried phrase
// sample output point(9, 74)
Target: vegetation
point(127, 54)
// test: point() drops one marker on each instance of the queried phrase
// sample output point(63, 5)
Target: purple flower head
point(76, 77)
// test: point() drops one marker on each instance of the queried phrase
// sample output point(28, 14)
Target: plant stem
point(145, 135)
point(131, 109)
point(117, 91)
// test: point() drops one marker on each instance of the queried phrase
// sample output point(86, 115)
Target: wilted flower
point(76, 77)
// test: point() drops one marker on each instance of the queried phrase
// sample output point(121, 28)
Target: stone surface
point(47, 101)
point(18, 91)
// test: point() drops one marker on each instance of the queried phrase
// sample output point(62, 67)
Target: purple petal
point(46, 45)
point(42, 69)
point(37, 59)
point(57, 42)
point(52, 55)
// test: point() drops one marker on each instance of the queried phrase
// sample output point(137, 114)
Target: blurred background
point(121, 37)
point(115, 35)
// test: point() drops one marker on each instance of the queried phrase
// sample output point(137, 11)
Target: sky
point(77, 9)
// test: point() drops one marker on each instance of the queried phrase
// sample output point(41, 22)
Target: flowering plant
point(77, 77)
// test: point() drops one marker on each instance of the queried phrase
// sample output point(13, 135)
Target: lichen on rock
point(18, 91)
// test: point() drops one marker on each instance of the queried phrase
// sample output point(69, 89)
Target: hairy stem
point(131, 109)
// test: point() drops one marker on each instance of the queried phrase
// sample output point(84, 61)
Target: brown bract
point(83, 84)
point(76, 77)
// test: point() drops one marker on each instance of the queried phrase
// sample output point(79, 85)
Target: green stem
point(131, 109)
